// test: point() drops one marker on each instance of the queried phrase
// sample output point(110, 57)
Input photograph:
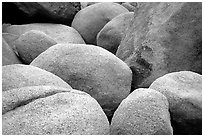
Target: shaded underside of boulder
point(52, 12)
point(58, 32)
point(143, 112)
point(163, 38)
point(91, 69)
point(184, 93)
point(53, 111)
point(18, 75)
point(90, 20)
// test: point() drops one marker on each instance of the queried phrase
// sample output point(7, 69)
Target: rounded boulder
point(58, 32)
point(112, 33)
point(143, 112)
point(48, 110)
point(30, 44)
point(19, 75)
point(90, 69)
point(183, 90)
point(90, 20)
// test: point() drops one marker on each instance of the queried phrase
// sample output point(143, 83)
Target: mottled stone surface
point(90, 20)
point(143, 112)
point(18, 75)
point(90, 69)
point(47, 110)
point(163, 38)
point(184, 92)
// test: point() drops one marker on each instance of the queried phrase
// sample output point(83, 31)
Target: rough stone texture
point(18, 75)
point(143, 112)
point(53, 12)
point(53, 111)
point(90, 20)
point(184, 92)
point(8, 55)
point(163, 38)
point(112, 33)
point(90, 69)
point(59, 33)
point(86, 4)
point(30, 44)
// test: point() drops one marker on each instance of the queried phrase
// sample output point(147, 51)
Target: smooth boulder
point(90, 20)
point(58, 32)
point(90, 69)
point(143, 112)
point(163, 38)
point(48, 110)
point(19, 75)
point(184, 92)
point(8, 55)
point(112, 33)
point(30, 44)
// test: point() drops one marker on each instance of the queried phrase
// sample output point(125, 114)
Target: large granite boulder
point(112, 33)
point(52, 12)
point(18, 75)
point(90, 69)
point(184, 92)
point(48, 110)
point(58, 32)
point(163, 38)
point(8, 55)
point(143, 112)
point(90, 20)
point(30, 44)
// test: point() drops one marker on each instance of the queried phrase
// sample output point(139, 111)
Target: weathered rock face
point(49, 110)
point(55, 12)
point(163, 38)
point(184, 93)
point(18, 75)
point(143, 112)
point(128, 5)
point(8, 55)
point(90, 20)
point(112, 33)
point(30, 44)
point(90, 69)
point(59, 33)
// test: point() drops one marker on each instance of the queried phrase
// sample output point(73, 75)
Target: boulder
point(48, 110)
point(52, 12)
point(90, 20)
point(86, 4)
point(112, 33)
point(30, 44)
point(8, 55)
point(18, 75)
point(10, 38)
point(184, 92)
point(59, 33)
point(90, 69)
point(163, 38)
point(143, 112)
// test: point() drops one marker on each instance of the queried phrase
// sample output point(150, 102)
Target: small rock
point(90, 20)
point(143, 112)
point(90, 69)
point(30, 44)
point(59, 33)
point(184, 92)
point(18, 75)
point(45, 110)
point(112, 33)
